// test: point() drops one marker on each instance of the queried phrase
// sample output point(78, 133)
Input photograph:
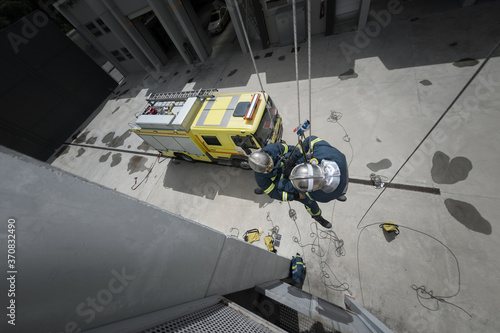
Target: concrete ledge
point(89, 255)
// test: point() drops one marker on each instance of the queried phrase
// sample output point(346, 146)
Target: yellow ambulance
point(206, 126)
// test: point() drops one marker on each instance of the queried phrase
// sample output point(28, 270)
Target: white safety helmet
point(261, 162)
point(307, 177)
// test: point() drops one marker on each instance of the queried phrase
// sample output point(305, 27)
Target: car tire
point(185, 158)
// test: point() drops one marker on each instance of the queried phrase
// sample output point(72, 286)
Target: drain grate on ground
point(214, 318)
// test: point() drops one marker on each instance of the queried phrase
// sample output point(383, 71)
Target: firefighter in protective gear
point(261, 162)
point(334, 166)
point(276, 183)
point(323, 180)
point(267, 165)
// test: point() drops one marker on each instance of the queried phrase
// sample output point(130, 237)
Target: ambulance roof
point(218, 113)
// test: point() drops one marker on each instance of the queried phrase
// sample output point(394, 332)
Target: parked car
point(218, 20)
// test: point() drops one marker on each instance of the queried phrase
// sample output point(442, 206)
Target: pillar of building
point(119, 31)
point(363, 13)
point(237, 24)
point(130, 29)
point(167, 21)
point(146, 34)
point(184, 13)
point(88, 36)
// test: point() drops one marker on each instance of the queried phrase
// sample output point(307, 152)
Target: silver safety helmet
point(307, 177)
point(260, 162)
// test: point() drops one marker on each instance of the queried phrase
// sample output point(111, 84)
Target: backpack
point(298, 269)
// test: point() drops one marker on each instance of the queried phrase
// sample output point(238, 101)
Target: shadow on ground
point(210, 180)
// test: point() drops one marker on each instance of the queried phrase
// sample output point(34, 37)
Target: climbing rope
point(249, 47)
point(309, 63)
point(294, 11)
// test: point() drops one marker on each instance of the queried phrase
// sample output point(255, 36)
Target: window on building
point(103, 26)
point(211, 140)
point(118, 55)
point(127, 53)
point(93, 29)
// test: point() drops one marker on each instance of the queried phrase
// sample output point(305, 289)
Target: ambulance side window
point(238, 140)
point(211, 140)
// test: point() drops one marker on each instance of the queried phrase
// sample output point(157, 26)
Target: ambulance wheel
point(185, 158)
point(244, 165)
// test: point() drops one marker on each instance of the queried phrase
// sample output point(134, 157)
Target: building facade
point(140, 35)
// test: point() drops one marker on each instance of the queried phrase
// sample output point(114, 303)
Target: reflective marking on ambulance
point(211, 118)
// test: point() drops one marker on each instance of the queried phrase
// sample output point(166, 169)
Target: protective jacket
point(323, 150)
point(274, 183)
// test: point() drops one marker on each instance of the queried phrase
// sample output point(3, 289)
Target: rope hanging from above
point(294, 14)
point(236, 3)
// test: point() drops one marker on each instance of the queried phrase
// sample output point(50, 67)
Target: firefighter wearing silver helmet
point(276, 182)
point(333, 165)
point(307, 177)
point(323, 180)
point(261, 162)
point(267, 165)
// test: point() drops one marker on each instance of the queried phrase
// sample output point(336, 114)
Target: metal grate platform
point(313, 314)
point(214, 318)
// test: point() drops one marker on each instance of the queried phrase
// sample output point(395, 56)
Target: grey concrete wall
point(49, 86)
point(87, 256)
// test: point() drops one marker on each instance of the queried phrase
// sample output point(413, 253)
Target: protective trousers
point(311, 206)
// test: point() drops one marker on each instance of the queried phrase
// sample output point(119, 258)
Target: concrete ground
point(376, 94)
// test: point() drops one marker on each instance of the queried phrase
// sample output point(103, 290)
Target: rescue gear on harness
point(261, 162)
point(302, 128)
point(269, 241)
point(390, 227)
point(298, 269)
point(307, 177)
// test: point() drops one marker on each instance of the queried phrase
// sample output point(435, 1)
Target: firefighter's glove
point(286, 185)
point(301, 196)
point(289, 164)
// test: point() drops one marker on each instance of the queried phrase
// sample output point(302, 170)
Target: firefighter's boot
point(258, 190)
point(342, 198)
point(324, 223)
